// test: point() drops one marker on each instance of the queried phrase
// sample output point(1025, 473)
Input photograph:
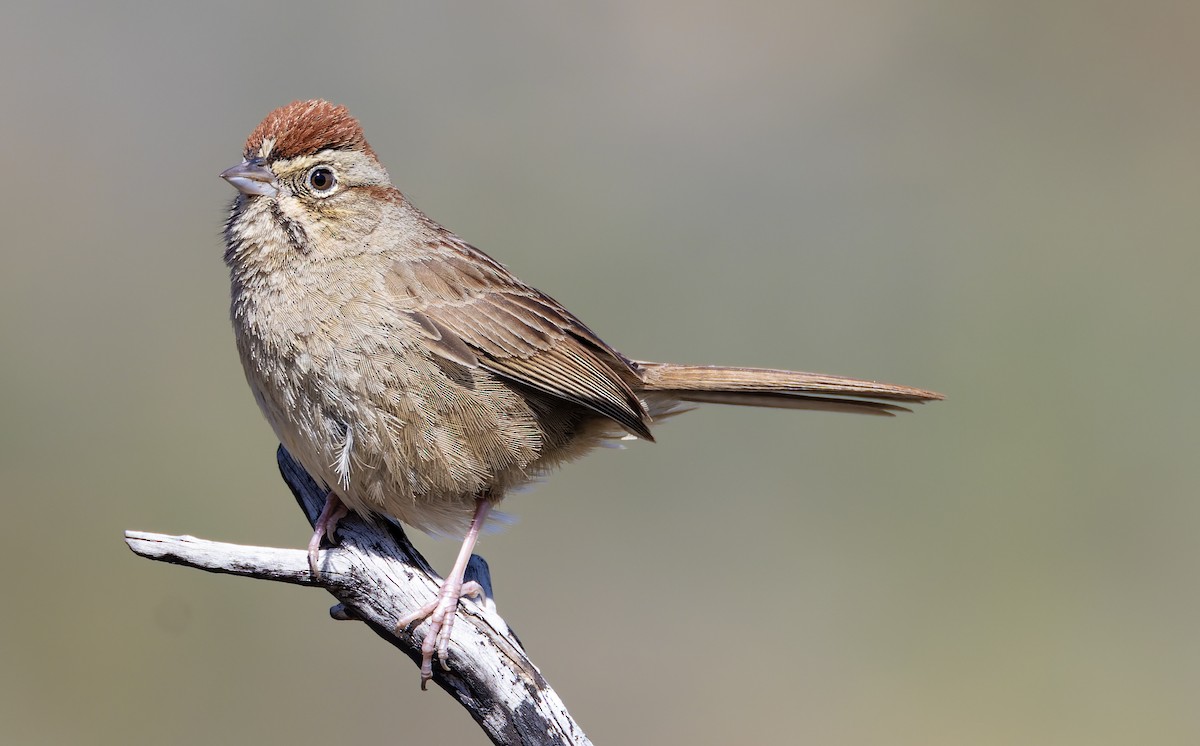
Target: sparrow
point(415, 376)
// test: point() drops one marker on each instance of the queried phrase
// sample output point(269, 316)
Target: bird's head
point(307, 174)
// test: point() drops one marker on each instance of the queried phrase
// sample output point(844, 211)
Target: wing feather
point(472, 311)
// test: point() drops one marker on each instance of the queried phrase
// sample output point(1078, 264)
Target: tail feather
point(763, 387)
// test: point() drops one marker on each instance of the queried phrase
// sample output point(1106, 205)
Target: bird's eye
point(321, 179)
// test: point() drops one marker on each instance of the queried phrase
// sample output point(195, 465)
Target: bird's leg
point(325, 526)
point(440, 611)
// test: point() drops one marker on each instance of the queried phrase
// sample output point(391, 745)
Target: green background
point(996, 200)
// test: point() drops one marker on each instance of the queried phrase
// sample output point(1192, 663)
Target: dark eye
point(321, 179)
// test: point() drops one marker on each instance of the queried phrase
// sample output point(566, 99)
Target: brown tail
point(762, 387)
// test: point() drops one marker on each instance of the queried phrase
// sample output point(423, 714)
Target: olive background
point(996, 200)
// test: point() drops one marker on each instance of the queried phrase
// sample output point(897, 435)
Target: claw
point(440, 614)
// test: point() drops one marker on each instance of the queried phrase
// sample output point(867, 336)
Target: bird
point(417, 378)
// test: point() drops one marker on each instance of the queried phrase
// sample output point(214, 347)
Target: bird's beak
point(252, 176)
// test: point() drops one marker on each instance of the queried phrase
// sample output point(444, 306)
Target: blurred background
point(994, 200)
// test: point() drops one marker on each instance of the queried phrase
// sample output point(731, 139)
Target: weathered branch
point(377, 577)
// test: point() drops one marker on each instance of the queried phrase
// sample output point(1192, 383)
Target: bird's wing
point(473, 311)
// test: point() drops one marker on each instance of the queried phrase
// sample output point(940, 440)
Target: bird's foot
point(325, 527)
point(440, 614)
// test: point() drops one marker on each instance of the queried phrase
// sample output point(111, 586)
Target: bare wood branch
point(377, 577)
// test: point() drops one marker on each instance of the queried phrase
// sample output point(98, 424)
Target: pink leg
point(440, 611)
point(325, 526)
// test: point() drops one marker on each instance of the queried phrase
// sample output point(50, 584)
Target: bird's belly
point(401, 434)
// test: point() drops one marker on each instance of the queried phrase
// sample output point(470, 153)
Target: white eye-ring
point(321, 180)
